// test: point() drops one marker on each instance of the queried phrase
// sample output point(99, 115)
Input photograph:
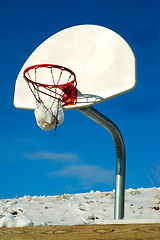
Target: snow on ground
point(141, 206)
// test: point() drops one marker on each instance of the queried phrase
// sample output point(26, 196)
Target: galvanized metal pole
point(120, 157)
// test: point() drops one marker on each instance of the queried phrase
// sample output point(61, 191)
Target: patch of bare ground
point(85, 232)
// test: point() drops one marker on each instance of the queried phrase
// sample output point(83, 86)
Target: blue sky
point(82, 155)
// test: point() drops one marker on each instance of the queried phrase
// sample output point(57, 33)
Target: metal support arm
point(120, 157)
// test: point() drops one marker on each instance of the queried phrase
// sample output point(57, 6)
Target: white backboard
point(102, 60)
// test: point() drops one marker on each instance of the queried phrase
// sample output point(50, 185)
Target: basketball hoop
point(65, 92)
point(44, 83)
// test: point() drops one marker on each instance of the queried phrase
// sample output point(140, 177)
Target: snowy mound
point(141, 206)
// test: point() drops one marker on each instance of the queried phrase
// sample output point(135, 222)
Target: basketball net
point(49, 109)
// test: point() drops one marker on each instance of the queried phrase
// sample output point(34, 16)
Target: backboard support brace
point(120, 157)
